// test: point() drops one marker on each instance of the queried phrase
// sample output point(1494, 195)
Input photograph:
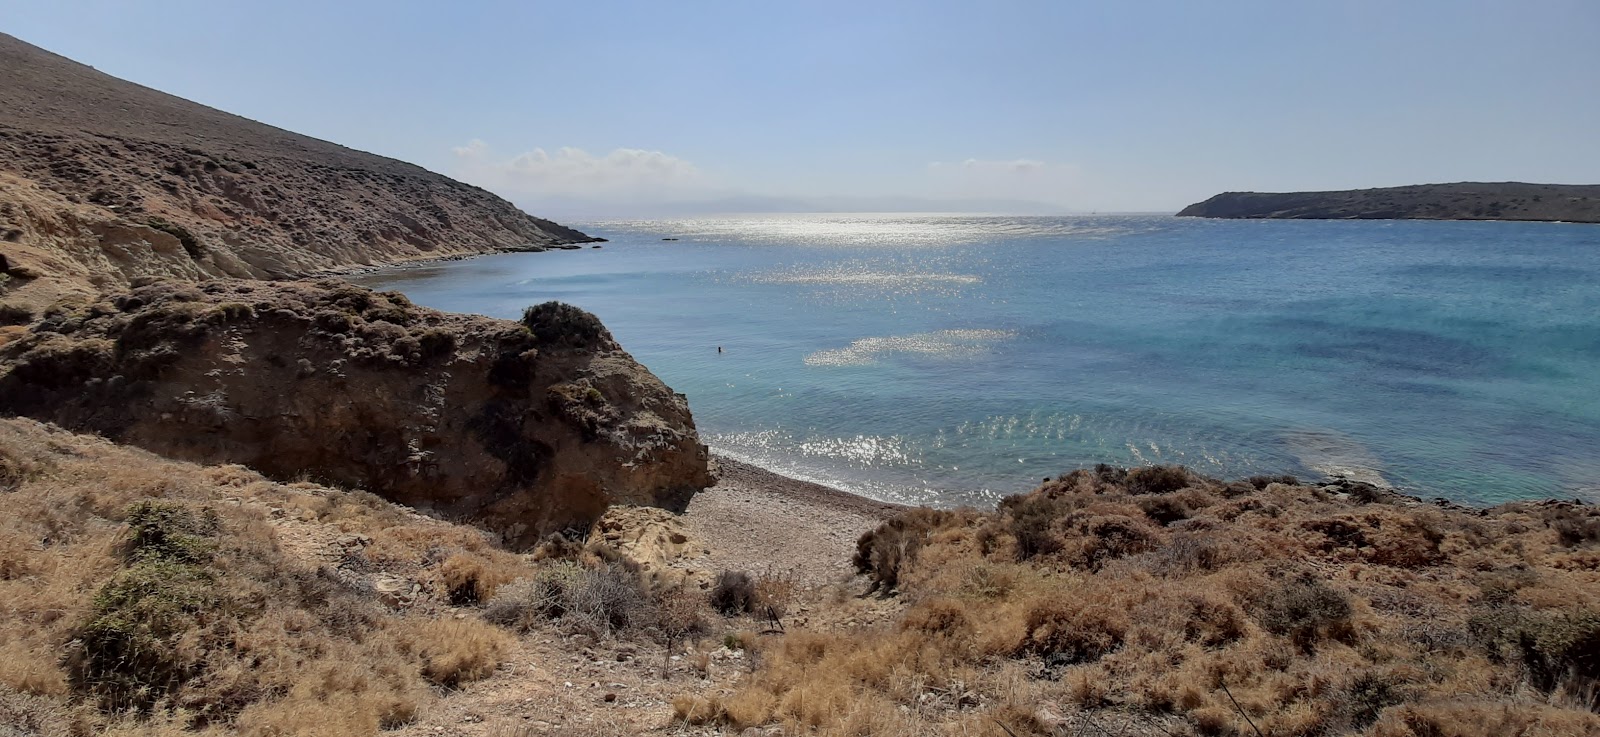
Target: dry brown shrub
point(774, 590)
point(1093, 540)
point(1405, 539)
point(1469, 718)
point(1069, 630)
point(456, 651)
point(882, 552)
point(288, 649)
point(470, 578)
point(1322, 613)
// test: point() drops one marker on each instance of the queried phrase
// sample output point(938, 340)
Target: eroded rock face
point(527, 428)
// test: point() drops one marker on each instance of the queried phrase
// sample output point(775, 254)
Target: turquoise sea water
point(953, 359)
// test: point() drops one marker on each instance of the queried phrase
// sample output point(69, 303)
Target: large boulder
point(527, 427)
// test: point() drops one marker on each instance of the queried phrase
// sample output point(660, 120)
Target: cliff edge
point(1576, 203)
point(103, 181)
point(527, 427)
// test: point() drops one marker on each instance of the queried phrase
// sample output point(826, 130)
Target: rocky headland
point(1574, 203)
point(103, 181)
point(527, 427)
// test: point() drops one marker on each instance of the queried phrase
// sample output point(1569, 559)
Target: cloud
point(1014, 166)
point(622, 174)
point(1022, 178)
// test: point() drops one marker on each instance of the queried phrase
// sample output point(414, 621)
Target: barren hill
point(103, 181)
point(1577, 203)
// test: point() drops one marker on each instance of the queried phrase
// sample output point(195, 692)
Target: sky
point(601, 108)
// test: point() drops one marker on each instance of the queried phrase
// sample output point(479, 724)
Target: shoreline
point(730, 470)
point(814, 493)
point(763, 522)
point(362, 269)
point(811, 494)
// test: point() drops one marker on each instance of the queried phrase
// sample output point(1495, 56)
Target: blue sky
point(616, 108)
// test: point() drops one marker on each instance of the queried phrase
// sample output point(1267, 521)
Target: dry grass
point(142, 596)
point(1157, 593)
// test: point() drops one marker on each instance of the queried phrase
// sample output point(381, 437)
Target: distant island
point(1577, 203)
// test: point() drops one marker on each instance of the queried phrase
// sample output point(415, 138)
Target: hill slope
point(103, 181)
point(1578, 203)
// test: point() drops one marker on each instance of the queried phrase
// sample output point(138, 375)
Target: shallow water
point(950, 359)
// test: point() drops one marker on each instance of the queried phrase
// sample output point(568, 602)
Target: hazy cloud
point(1026, 179)
point(1014, 166)
point(623, 174)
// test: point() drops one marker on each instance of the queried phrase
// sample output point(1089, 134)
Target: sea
point(957, 359)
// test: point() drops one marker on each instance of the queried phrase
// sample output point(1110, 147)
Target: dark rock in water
point(597, 246)
point(669, 239)
point(1577, 203)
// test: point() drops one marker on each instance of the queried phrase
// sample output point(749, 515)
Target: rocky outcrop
point(527, 427)
point(103, 181)
point(1459, 201)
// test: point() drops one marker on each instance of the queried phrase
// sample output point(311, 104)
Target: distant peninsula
point(1577, 203)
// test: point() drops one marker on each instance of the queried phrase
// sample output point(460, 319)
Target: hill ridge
point(1578, 203)
point(104, 181)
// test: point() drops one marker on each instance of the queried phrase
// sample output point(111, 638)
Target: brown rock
point(526, 430)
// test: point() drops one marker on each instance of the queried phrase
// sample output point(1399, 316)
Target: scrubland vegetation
point(145, 596)
point(1174, 604)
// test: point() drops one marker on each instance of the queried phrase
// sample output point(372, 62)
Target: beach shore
point(756, 520)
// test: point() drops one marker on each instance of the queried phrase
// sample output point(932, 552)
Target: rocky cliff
point(103, 181)
point(1459, 201)
point(526, 427)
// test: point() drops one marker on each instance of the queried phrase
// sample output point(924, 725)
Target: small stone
point(611, 698)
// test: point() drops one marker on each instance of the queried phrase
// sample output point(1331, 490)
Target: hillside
point(1576, 203)
point(103, 181)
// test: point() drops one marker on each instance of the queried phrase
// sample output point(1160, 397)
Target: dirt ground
point(558, 683)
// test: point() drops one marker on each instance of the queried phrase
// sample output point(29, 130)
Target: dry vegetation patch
point(1193, 606)
point(146, 595)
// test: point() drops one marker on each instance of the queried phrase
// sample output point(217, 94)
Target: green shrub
point(1306, 611)
point(130, 646)
point(1261, 482)
point(332, 321)
point(1551, 647)
point(558, 323)
point(436, 342)
point(883, 552)
point(164, 531)
point(235, 311)
point(56, 363)
point(1032, 517)
point(733, 594)
point(130, 655)
point(1156, 479)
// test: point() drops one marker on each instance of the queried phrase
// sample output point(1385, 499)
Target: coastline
point(756, 520)
point(416, 263)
